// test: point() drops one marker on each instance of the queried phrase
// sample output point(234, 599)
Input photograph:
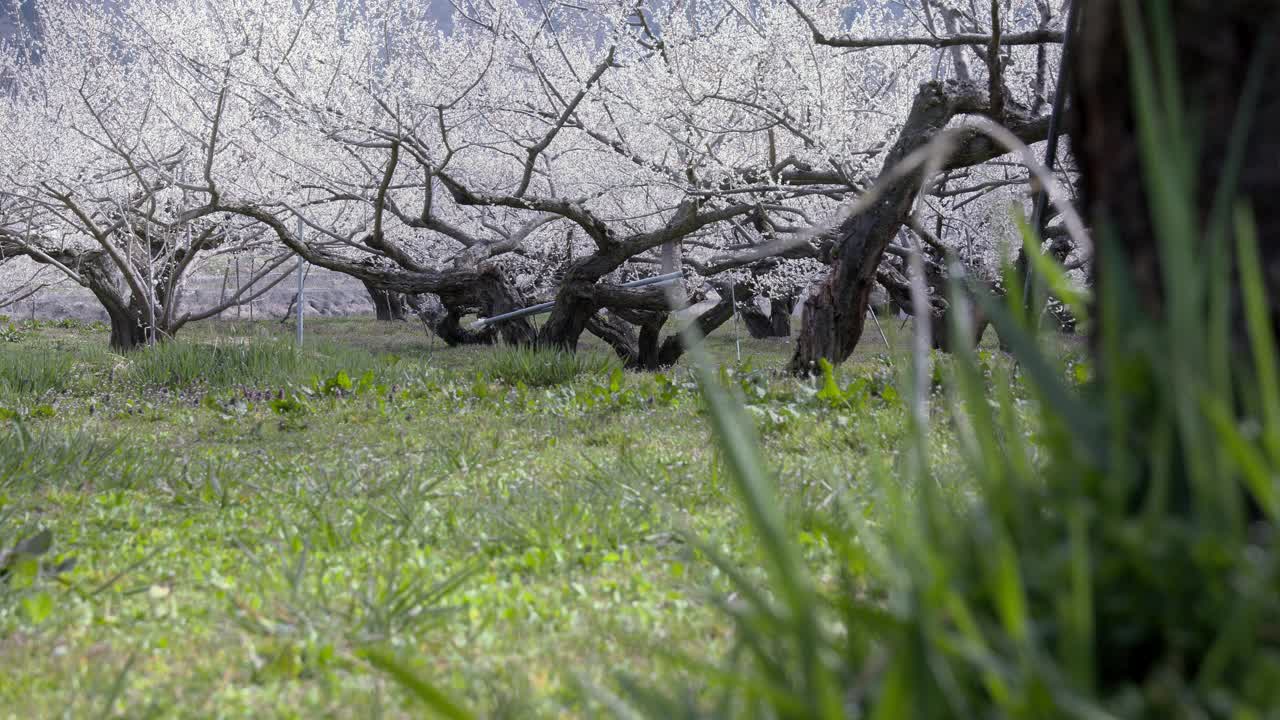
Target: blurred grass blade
point(1075, 416)
point(1079, 638)
point(1253, 466)
point(1010, 595)
point(737, 439)
point(1049, 271)
point(1258, 319)
point(432, 697)
point(117, 686)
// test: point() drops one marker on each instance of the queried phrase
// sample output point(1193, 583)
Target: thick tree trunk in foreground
point(567, 321)
point(673, 347)
point(495, 295)
point(1216, 45)
point(835, 313)
point(128, 318)
point(619, 335)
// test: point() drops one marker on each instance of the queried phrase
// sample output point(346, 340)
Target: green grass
point(186, 364)
point(251, 522)
point(34, 373)
point(535, 367)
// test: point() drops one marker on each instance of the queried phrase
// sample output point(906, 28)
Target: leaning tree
point(999, 68)
point(106, 150)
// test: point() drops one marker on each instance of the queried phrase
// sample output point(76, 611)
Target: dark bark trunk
point(450, 329)
point(757, 323)
point(568, 319)
point(618, 329)
point(387, 306)
point(446, 322)
point(486, 292)
point(128, 329)
point(835, 313)
point(774, 325)
point(940, 319)
point(650, 336)
point(1216, 44)
point(645, 352)
point(127, 317)
point(673, 347)
point(941, 328)
point(781, 316)
point(833, 317)
point(650, 324)
point(495, 295)
point(619, 335)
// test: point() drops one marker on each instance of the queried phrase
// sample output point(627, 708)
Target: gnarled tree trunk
point(486, 291)
point(494, 294)
point(387, 306)
point(569, 318)
point(835, 312)
point(940, 312)
point(127, 316)
point(446, 323)
point(649, 350)
point(128, 328)
point(776, 324)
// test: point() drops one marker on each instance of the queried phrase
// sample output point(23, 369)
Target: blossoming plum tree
point(534, 150)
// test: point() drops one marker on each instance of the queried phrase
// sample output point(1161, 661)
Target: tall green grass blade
point(1048, 382)
point(1078, 640)
point(1049, 271)
point(431, 696)
point(1261, 339)
point(1257, 473)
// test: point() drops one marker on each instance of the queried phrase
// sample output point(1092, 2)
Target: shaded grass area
point(247, 518)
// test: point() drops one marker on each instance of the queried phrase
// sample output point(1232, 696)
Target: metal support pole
point(737, 334)
point(673, 262)
point(546, 306)
point(301, 285)
point(238, 287)
point(876, 320)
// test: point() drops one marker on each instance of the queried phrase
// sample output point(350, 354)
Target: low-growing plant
point(539, 367)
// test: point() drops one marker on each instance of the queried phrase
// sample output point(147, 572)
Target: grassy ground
point(246, 519)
